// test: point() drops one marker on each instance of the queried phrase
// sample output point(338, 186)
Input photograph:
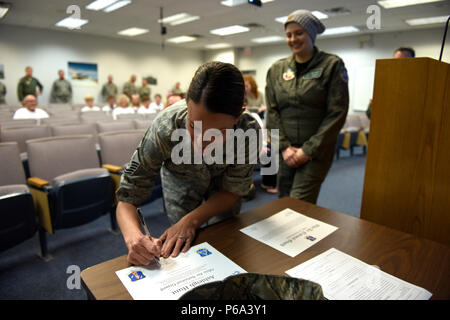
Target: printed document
point(344, 277)
point(289, 231)
point(170, 278)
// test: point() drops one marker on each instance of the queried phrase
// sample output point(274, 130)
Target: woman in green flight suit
point(307, 100)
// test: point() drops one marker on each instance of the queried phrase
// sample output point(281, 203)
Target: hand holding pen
point(143, 248)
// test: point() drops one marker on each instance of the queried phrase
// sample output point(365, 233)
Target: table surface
point(422, 262)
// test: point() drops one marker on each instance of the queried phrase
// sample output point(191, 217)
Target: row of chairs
point(354, 133)
point(23, 133)
point(63, 117)
point(69, 184)
point(47, 107)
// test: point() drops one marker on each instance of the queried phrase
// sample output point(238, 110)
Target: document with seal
point(172, 277)
point(289, 231)
point(344, 277)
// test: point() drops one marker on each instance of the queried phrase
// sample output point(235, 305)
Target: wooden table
point(418, 261)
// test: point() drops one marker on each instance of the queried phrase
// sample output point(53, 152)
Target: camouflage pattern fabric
point(185, 186)
point(253, 286)
point(61, 91)
point(109, 90)
point(28, 86)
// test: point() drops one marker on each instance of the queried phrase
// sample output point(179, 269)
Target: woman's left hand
point(300, 157)
point(178, 237)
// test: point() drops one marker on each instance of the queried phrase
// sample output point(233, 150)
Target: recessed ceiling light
point(339, 30)
point(71, 23)
point(181, 39)
point(131, 32)
point(229, 30)
point(268, 39)
point(218, 46)
point(99, 4)
point(389, 4)
point(4, 8)
point(185, 20)
point(117, 5)
point(233, 3)
point(430, 20)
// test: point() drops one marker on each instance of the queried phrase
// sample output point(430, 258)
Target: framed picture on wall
point(2, 71)
point(83, 74)
point(250, 72)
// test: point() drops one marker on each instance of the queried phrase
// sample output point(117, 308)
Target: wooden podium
point(407, 178)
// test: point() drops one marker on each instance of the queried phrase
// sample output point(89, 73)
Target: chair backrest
point(354, 121)
point(55, 113)
point(142, 124)
point(60, 121)
point(115, 126)
point(59, 107)
point(365, 121)
point(51, 157)
point(94, 116)
point(19, 122)
point(117, 147)
point(11, 169)
point(132, 116)
point(24, 133)
point(75, 129)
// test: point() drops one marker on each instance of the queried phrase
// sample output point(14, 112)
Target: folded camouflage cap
point(253, 286)
point(307, 21)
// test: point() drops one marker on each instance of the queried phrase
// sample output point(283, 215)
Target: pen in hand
point(144, 225)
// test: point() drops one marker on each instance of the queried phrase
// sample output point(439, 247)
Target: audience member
point(135, 101)
point(177, 89)
point(123, 107)
point(157, 105)
point(109, 89)
point(89, 99)
point(30, 109)
point(2, 93)
point(254, 97)
point(171, 99)
point(61, 90)
point(28, 85)
point(129, 88)
point(145, 89)
point(111, 104)
point(145, 107)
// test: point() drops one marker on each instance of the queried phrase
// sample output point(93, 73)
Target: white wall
point(360, 61)
point(48, 51)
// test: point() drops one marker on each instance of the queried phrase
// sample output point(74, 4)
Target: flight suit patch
point(289, 74)
point(313, 74)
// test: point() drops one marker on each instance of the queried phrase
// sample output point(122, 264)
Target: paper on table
point(344, 277)
point(289, 231)
point(175, 276)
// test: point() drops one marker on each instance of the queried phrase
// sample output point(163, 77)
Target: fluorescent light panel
point(340, 30)
point(218, 46)
point(232, 3)
point(117, 5)
point(178, 18)
point(131, 32)
point(3, 11)
point(71, 23)
point(229, 30)
point(181, 39)
point(430, 20)
point(389, 4)
point(99, 4)
point(268, 39)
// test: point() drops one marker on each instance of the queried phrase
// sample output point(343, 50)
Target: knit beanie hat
point(308, 21)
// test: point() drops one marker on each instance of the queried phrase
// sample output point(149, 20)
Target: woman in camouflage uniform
point(307, 100)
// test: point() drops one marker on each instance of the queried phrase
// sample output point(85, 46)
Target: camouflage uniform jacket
point(61, 92)
point(109, 90)
point(129, 88)
point(185, 186)
point(28, 86)
point(309, 109)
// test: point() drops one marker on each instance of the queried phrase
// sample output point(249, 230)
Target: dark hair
point(219, 86)
point(407, 49)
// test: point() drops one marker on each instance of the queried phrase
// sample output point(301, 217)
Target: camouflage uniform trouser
point(304, 182)
point(185, 192)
